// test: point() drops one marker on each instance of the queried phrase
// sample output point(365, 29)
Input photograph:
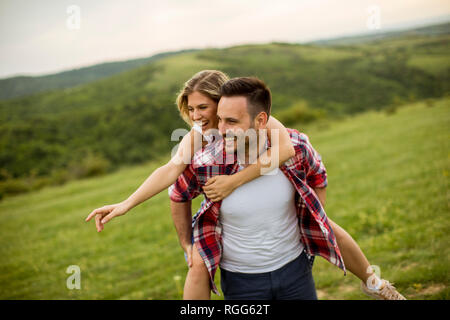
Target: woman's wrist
point(237, 180)
point(129, 204)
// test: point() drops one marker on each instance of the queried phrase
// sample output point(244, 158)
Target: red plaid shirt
point(305, 170)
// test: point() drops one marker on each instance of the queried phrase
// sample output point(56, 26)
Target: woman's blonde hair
point(207, 82)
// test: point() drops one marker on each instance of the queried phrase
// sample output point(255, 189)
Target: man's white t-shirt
point(260, 226)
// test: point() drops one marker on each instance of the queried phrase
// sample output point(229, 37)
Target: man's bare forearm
point(182, 219)
point(321, 194)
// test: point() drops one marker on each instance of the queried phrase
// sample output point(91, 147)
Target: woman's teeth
point(201, 124)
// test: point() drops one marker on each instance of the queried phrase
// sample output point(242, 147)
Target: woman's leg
point(354, 259)
point(356, 262)
point(197, 285)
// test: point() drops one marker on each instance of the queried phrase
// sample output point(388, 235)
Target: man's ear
point(261, 120)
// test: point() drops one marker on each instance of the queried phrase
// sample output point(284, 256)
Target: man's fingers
point(189, 256)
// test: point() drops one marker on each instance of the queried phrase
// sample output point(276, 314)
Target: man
point(265, 234)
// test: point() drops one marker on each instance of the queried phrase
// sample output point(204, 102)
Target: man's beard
point(244, 145)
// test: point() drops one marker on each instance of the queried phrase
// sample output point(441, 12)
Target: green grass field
point(388, 187)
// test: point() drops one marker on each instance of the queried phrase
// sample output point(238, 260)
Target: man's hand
point(106, 213)
point(219, 187)
point(188, 250)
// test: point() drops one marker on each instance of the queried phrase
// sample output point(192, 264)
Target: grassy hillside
point(388, 186)
point(125, 119)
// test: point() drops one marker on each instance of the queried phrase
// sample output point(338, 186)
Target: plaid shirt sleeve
point(316, 174)
point(310, 159)
point(186, 187)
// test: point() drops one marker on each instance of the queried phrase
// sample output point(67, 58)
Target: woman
point(197, 103)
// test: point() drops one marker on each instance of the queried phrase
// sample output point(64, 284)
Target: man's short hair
point(259, 98)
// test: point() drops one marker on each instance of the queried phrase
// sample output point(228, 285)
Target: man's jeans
point(293, 281)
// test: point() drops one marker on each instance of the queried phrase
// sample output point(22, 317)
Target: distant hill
point(25, 85)
point(20, 86)
point(433, 30)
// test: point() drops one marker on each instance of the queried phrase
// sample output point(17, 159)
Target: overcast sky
point(41, 37)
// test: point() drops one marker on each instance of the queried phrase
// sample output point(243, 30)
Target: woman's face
point(202, 109)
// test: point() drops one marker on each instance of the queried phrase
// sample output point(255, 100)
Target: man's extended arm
point(181, 193)
point(316, 173)
point(321, 194)
point(182, 220)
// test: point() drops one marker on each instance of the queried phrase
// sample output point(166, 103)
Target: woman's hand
point(219, 187)
point(106, 213)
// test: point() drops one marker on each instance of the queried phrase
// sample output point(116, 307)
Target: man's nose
point(222, 128)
